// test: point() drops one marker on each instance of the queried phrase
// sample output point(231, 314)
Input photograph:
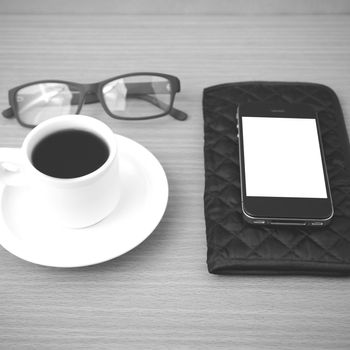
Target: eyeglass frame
point(93, 93)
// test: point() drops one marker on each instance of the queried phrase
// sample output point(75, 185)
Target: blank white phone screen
point(282, 158)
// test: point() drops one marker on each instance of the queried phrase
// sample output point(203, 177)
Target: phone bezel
point(282, 208)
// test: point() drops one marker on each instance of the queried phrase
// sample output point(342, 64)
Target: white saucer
point(26, 233)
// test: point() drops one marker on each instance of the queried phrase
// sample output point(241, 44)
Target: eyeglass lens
point(138, 96)
point(39, 102)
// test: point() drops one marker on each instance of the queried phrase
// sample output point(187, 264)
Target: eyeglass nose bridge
point(90, 94)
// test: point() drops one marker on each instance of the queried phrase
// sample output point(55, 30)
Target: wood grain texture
point(170, 7)
point(160, 296)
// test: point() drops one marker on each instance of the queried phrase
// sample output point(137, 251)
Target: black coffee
point(69, 153)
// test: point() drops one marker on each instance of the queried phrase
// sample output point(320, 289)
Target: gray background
point(160, 296)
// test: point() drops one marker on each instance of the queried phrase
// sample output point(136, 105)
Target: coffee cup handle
point(11, 167)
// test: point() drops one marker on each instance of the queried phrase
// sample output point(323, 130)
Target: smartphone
point(283, 172)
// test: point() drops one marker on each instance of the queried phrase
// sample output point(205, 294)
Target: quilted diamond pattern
point(234, 246)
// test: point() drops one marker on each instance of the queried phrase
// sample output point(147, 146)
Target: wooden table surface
point(160, 295)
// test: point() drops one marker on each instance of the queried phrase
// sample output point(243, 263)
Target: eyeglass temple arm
point(148, 89)
point(8, 113)
point(176, 113)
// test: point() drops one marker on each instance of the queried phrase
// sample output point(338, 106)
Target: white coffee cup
point(74, 202)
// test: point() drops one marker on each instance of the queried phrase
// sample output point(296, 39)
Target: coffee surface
point(69, 154)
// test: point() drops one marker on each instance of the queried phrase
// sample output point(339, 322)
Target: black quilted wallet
point(236, 247)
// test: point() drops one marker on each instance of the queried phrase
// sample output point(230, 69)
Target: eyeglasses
point(134, 96)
